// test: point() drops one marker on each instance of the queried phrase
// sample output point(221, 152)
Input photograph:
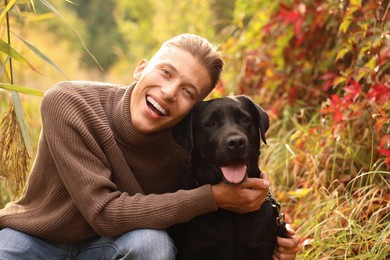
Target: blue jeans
point(138, 244)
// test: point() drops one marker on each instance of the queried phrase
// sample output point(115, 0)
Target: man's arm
point(81, 161)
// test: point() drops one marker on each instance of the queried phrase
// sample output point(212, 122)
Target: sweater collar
point(124, 126)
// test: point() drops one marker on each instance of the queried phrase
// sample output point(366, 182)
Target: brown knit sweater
point(95, 175)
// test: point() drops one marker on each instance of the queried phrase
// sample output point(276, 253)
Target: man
point(104, 182)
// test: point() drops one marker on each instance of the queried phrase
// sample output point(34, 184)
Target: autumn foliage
point(333, 56)
point(322, 70)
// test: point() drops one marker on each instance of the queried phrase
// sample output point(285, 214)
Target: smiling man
point(104, 181)
point(168, 86)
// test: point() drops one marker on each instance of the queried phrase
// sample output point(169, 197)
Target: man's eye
point(166, 72)
point(188, 92)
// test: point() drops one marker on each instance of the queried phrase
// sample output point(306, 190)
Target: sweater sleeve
point(87, 175)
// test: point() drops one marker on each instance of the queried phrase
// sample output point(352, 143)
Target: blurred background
point(321, 69)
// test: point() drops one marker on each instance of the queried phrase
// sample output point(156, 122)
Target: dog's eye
point(244, 119)
point(210, 123)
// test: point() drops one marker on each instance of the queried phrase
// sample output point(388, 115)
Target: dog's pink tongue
point(234, 173)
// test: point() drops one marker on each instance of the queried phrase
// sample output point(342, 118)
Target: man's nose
point(170, 90)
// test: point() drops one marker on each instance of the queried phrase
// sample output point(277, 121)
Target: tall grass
point(338, 200)
point(20, 57)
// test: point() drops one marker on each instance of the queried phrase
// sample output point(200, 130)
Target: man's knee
point(147, 244)
point(18, 245)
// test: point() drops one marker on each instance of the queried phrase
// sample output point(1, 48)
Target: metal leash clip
point(280, 219)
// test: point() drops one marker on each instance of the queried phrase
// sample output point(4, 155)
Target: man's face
point(168, 87)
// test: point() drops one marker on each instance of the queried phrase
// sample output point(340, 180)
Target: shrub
point(321, 68)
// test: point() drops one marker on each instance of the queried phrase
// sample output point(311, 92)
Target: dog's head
point(223, 137)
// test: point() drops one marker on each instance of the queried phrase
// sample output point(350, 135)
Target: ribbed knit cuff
point(203, 200)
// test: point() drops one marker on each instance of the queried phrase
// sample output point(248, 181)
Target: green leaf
point(33, 5)
point(21, 89)
point(10, 4)
point(71, 2)
point(299, 193)
point(3, 65)
point(22, 122)
point(364, 50)
point(363, 72)
point(377, 42)
point(371, 63)
point(38, 17)
point(4, 47)
point(351, 10)
point(42, 56)
point(364, 27)
point(342, 53)
point(339, 80)
point(357, 3)
point(344, 26)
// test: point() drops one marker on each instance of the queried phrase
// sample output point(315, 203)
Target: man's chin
point(145, 129)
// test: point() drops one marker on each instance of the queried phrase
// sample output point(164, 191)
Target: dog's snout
point(235, 142)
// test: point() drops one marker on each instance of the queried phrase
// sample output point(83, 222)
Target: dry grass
point(13, 155)
point(339, 204)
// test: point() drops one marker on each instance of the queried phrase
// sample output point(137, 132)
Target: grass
point(345, 225)
point(333, 189)
point(13, 175)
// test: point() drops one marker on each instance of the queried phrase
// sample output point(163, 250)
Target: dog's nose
point(235, 142)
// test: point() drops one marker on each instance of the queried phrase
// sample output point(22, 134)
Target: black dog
point(223, 136)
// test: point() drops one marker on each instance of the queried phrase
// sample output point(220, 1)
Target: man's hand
point(241, 198)
point(287, 248)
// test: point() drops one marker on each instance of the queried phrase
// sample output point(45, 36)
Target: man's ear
point(140, 67)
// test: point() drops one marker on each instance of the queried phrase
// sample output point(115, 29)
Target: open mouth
point(234, 171)
point(155, 106)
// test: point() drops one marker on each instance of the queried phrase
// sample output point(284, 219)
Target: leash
point(280, 219)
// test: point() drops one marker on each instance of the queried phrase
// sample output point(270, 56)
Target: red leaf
point(385, 142)
point(385, 152)
point(292, 94)
point(338, 116)
point(268, 27)
point(328, 76)
point(387, 160)
point(385, 52)
point(335, 100)
point(298, 26)
point(379, 92)
point(384, 145)
point(328, 79)
point(291, 17)
point(338, 105)
point(353, 91)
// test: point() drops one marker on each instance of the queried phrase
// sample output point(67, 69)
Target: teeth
point(156, 105)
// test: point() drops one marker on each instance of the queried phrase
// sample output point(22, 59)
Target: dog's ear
point(182, 133)
point(262, 116)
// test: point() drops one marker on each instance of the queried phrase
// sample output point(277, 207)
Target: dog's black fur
point(219, 132)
